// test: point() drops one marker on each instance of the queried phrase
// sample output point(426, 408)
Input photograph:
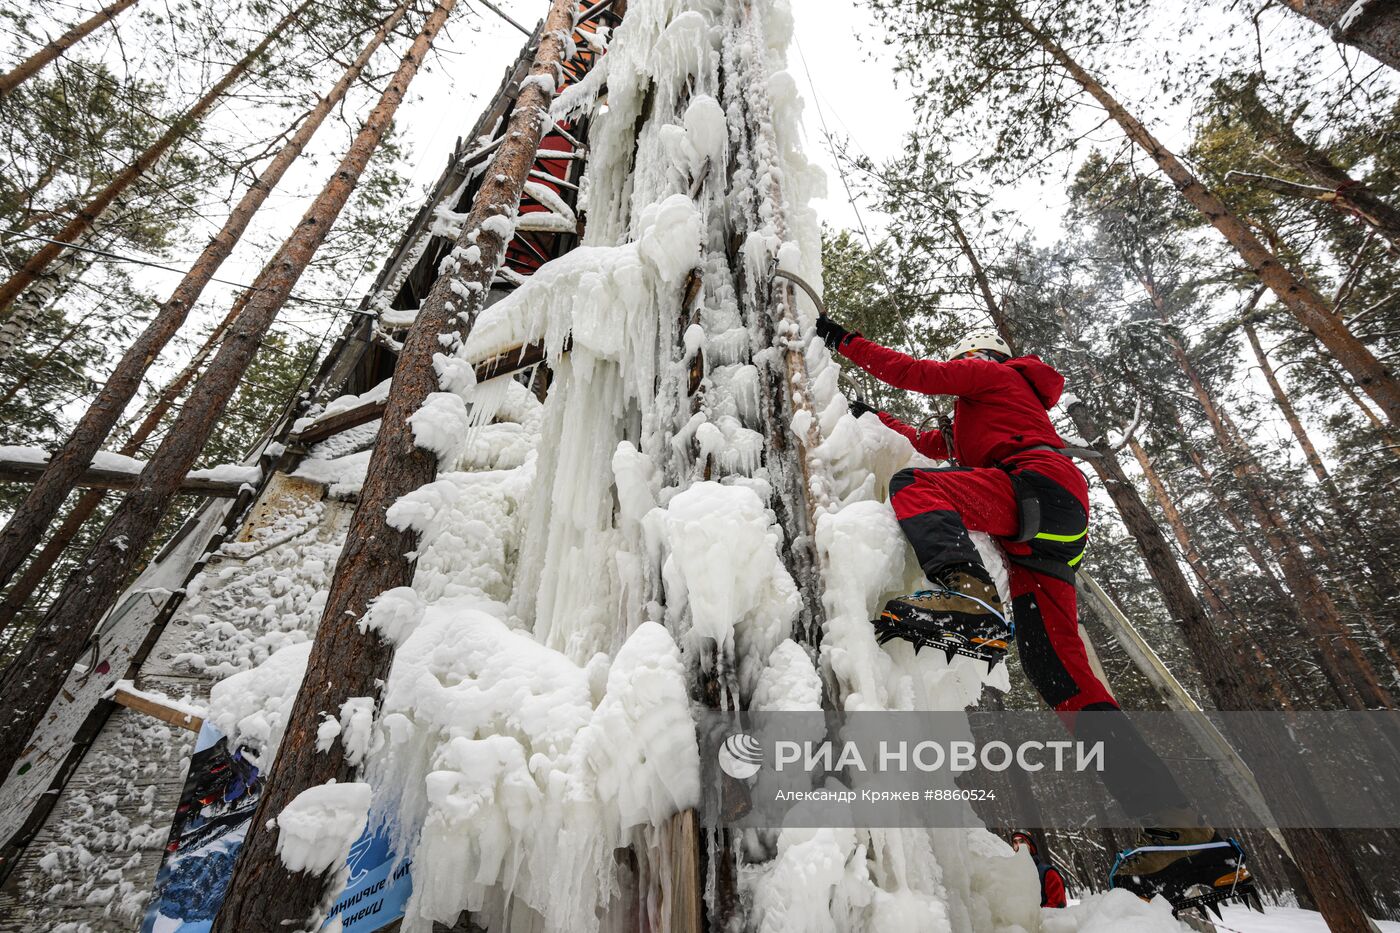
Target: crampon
point(1214, 875)
point(983, 637)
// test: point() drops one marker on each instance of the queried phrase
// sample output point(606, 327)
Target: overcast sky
point(858, 94)
point(842, 70)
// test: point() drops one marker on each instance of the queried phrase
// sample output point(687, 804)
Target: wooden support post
point(508, 362)
point(683, 911)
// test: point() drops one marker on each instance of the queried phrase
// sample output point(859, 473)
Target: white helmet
point(980, 340)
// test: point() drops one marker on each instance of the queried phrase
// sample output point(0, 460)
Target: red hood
point(1044, 378)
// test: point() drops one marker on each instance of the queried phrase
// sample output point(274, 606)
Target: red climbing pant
point(937, 507)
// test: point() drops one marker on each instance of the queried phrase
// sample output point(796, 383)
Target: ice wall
point(588, 566)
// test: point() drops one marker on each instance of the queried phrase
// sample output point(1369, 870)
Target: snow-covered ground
point(1120, 911)
point(1282, 920)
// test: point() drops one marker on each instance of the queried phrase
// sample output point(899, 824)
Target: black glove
point(833, 334)
point(859, 408)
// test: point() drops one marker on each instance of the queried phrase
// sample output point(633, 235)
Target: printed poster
point(211, 821)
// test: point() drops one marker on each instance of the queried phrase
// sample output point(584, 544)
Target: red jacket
point(1001, 408)
point(1052, 888)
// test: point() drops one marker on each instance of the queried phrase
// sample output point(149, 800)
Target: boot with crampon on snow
point(1191, 866)
point(962, 614)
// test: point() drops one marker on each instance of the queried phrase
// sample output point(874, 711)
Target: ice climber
point(1052, 883)
point(1012, 479)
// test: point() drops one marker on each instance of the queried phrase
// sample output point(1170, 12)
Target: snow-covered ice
point(315, 831)
point(581, 562)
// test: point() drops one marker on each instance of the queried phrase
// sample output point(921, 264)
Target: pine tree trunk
point(1322, 547)
point(1278, 638)
point(1391, 441)
point(1304, 303)
point(1331, 879)
point(26, 583)
point(1214, 590)
point(51, 50)
point(1373, 26)
point(149, 417)
point(1347, 667)
point(26, 527)
point(31, 682)
point(1227, 511)
point(1281, 636)
point(1344, 192)
point(345, 660)
point(1381, 579)
point(87, 214)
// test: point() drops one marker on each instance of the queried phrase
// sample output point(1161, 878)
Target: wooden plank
point(116, 812)
point(514, 360)
point(48, 758)
point(142, 703)
point(18, 471)
point(340, 421)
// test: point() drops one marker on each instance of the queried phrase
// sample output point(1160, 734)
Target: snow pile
point(788, 682)
point(191, 711)
point(469, 531)
point(602, 297)
point(252, 707)
point(497, 431)
point(316, 830)
point(228, 473)
point(1110, 913)
point(440, 424)
point(340, 405)
point(815, 885)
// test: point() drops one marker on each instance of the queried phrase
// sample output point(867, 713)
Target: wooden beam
point(145, 703)
point(20, 471)
point(340, 421)
point(514, 360)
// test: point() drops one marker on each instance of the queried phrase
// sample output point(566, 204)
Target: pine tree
point(87, 212)
point(51, 50)
point(348, 660)
point(1137, 223)
point(984, 50)
point(21, 534)
point(33, 679)
point(1373, 26)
